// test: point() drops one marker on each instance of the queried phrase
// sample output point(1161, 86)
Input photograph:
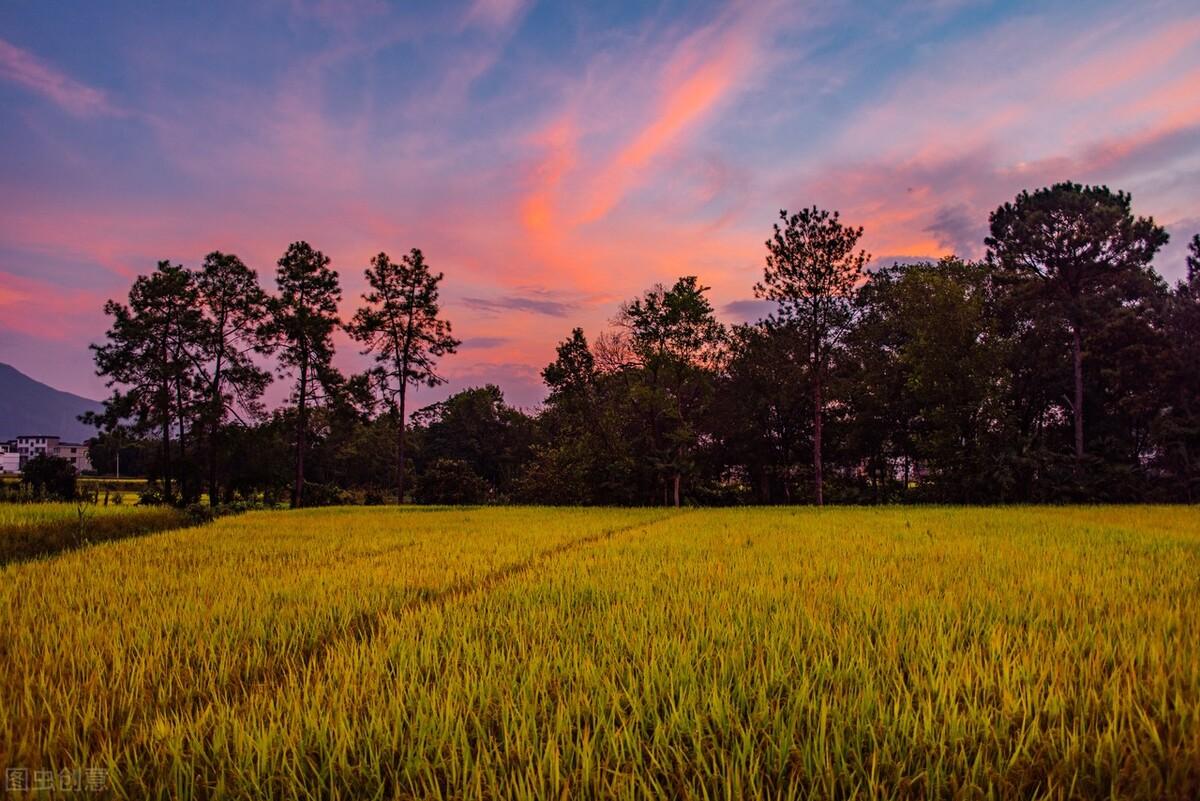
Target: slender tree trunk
point(188, 489)
point(677, 480)
point(214, 425)
point(1077, 348)
point(301, 434)
point(166, 449)
point(818, 478)
point(212, 465)
point(400, 437)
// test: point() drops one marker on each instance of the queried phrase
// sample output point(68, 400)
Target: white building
point(28, 446)
point(10, 461)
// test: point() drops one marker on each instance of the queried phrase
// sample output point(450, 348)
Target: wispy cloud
point(553, 161)
point(484, 343)
point(705, 69)
point(749, 311)
point(25, 69)
point(538, 303)
point(493, 13)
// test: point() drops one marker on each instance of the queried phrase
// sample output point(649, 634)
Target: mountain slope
point(30, 407)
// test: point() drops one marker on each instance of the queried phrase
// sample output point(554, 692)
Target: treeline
point(1061, 367)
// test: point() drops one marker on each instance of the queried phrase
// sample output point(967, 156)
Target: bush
point(199, 513)
point(374, 497)
point(152, 495)
point(325, 495)
point(451, 481)
point(50, 477)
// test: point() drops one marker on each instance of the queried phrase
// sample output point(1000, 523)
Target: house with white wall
point(10, 460)
point(27, 446)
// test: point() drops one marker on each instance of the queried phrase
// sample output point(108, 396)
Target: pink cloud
point(1130, 62)
point(620, 175)
point(493, 13)
point(47, 311)
point(23, 68)
point(703, 71)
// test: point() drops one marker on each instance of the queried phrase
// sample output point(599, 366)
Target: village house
point(15, 453)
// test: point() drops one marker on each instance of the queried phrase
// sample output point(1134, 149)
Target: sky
point(553, 159)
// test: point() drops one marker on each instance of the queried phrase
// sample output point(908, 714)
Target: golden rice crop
point(34, 529)
point(29, 515)
point(534, 653)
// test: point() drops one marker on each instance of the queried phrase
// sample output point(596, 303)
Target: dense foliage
point(1061, 367)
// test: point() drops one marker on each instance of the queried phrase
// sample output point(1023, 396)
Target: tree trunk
point(400, 437)
point(301, 432)
point(818, 478)
point(1077, 348)
point(677, 478)
point(184, 484)
point(166, 449)
point(213, 493)
point(214, 424)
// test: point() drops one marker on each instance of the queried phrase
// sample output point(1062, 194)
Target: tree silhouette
point(152, 353)
point(675, 339)
point(1072, 241)
point(235, 315)
point(811, 271)
point(304, 318)
point(401, 327)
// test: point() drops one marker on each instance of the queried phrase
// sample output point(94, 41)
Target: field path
point(367, 624)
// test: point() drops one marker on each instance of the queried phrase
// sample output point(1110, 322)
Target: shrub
point(152, 495)
point(325, 495)
point(50, 477)
point(451, 481)
point(374, 497)
point(199, 513)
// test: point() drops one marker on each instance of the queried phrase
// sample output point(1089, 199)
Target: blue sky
point(553, 159)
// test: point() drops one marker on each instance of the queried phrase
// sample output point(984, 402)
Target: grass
point(29, 530)
point(532, 653)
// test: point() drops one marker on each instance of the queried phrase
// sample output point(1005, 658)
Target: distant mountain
point(31, 407)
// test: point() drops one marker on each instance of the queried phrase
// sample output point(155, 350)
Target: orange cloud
point(700, 76)
point(538, 206)
point(1140, 59)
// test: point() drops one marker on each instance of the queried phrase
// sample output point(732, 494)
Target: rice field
point(604, 653)
point(34, 529)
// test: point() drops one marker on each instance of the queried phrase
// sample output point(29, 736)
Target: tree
point(923, 363)
point(49, 477)
point(451, 482)
point(115, 447)
point(235, 314)
point(759, 416)
point(1069, 242)
point(1193, 262)
point(477, 427)
point(304, 317)
point(675, 342)
point(573, 371)
point(1177, 428)
point(401, 327)
point(151, 353)
point(584, 453)
point(811, 271)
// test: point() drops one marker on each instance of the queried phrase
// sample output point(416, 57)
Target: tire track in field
point(367, 624)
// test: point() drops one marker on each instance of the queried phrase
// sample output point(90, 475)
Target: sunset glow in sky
point(553, 159)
